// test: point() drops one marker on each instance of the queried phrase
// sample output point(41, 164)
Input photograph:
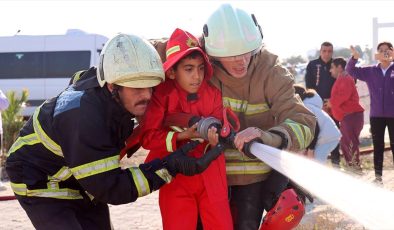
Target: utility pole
point(375, 33)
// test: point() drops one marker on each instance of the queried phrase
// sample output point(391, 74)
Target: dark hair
point(385, 43)
point(339, 61)
point(303, 92)
point(191, 55)
point(326, 44)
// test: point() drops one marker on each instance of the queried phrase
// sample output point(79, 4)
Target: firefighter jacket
point(169, 98)
point(69, 148)
point(264, 98)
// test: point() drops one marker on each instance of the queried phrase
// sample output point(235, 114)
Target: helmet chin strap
point(116, 97)
point(115, 94)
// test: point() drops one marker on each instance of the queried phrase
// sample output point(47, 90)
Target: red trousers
point(185, 197)
point(351, 127)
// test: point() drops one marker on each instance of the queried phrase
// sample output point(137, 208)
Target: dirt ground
point(145, 213)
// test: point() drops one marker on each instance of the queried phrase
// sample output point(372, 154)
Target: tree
point(294, 60)
point(12, 121)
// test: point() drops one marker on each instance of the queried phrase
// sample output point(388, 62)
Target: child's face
point(335, 70)
point(189, 73)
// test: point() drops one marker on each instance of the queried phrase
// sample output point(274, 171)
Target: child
point(327, 134)
point(346, 108)
point(186, 90)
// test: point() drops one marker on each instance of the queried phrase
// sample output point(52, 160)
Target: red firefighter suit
point(182, 199)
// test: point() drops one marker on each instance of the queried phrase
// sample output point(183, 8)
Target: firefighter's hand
point(179, 162)
point(251, 133)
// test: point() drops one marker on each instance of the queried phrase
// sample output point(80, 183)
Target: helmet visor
point(234, 58)
point(245, 56)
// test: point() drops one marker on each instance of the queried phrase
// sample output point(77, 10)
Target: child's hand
point(213, 136)
point(189, 133)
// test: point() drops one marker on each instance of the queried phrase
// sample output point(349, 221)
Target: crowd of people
point(199, 104)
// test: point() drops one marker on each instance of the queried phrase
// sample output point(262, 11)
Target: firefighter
point(260, 91)
point(64, 166)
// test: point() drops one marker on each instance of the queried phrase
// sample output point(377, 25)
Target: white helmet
point(231, 32)
point(130, 61)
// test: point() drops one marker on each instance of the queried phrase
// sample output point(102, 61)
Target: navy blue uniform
point(64, 166)
point(318, 77)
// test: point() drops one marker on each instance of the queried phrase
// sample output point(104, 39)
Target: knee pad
point(286, 213)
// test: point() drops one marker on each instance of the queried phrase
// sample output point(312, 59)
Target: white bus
point(44, 64)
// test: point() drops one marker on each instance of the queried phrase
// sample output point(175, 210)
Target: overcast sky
point(289, 27)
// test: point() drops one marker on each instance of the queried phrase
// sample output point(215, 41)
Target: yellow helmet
point(231, 32)
point(130, 61)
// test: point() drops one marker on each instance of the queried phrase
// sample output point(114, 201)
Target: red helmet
point(286, 214)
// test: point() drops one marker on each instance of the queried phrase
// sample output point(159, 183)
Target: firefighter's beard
point(139, 108)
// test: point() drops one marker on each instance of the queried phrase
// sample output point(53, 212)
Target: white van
point(44, 64)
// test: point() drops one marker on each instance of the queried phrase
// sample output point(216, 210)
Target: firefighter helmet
point(286, 214)
point(130, 61)
point(231, 32)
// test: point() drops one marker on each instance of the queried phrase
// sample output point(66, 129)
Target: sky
point(290, 28)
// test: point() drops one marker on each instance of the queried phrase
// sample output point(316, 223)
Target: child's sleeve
point(217, 105)
point(154, 136)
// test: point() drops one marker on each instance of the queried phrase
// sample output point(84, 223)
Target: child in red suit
point(187, 90)
point(346, 108)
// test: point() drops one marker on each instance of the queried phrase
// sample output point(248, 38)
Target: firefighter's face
point(236, 66)
point(189, 73)
point(134, 100)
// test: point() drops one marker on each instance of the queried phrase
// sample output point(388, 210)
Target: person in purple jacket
point(380, 82)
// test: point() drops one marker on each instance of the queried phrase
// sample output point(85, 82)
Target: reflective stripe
point(96, 167)
point(53, 185)
point(164, 174)
point(302, 133)
point(63, 174)
point(177, 129)
point(247, 168)
point(233, 154)
point(77, 76)
point(58, 193)
point(19, 189)
point(140, 181)
point(235, 104)
point(173, 50)
point(169, 141)
point(256, 108)
point(30, 139)
point(244, 107)
point(43, 137)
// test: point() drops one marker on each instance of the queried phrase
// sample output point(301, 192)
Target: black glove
point(156, 171)
point(156, 175)
point(179, 162)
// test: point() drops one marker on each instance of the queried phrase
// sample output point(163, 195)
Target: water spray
point(364, 202)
